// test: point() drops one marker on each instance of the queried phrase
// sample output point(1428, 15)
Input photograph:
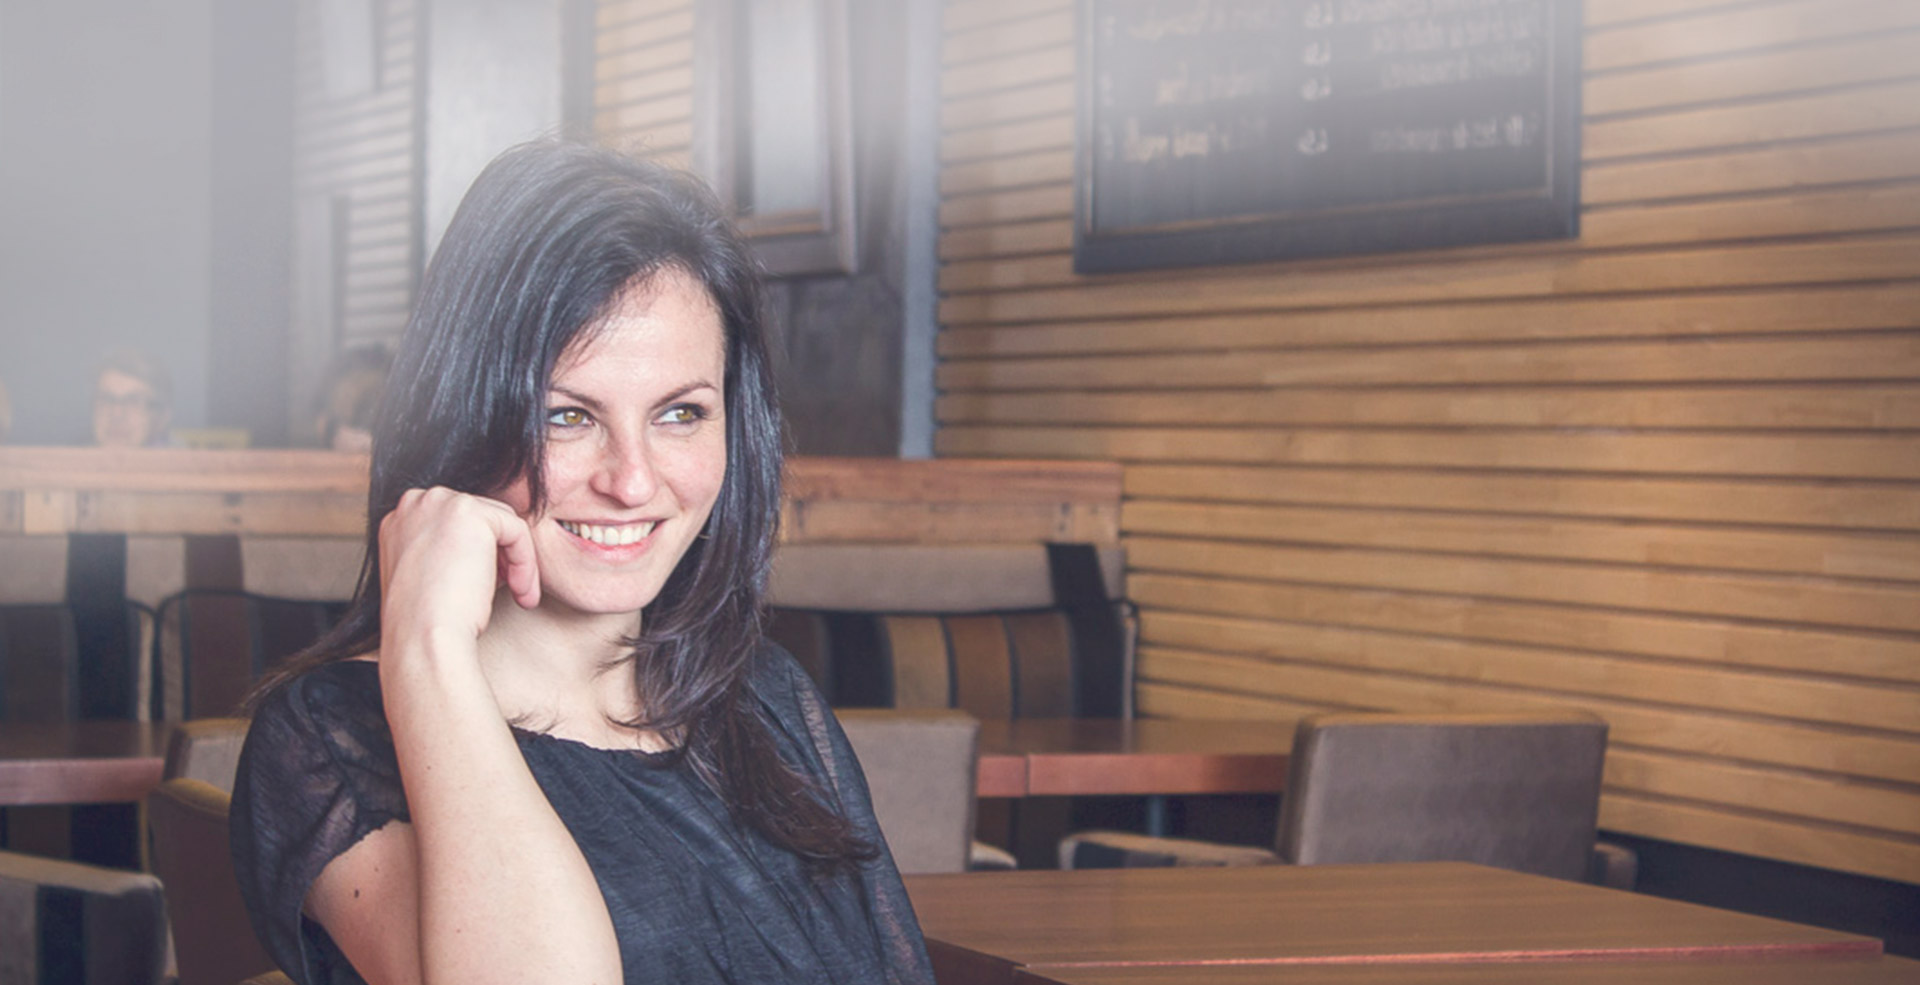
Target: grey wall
point(104, 201)
point(251, 235)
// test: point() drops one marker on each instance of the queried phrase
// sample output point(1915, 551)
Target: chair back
point(999, 631)
point(215, 643)
point(63, 921)
point(1518, 791)
point(212, 937)
point(920, 769)
point(206, 749)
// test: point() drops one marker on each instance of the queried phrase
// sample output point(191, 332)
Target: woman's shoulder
point(336, 705)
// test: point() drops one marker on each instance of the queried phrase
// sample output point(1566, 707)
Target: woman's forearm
point(504, 892)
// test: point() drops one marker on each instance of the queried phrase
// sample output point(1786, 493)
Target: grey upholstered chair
point(920, 768)
point(1519, 791)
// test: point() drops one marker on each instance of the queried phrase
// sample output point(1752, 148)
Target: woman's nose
point(627, 473)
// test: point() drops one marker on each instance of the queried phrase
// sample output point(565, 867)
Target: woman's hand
point(443, 555)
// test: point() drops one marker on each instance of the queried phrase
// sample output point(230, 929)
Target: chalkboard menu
point(1226, 131)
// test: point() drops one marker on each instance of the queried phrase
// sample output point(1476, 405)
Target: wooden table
point(982, 927)
point(1849, 970)
point(93, 762)
point(1042, 757)
point(113, 761)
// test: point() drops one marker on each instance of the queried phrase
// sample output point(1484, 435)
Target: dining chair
point(214, 643)
point(213, 939)
point(1518, 791)
point(187, 823)
point(205, 749)
point(919, 765)
point(64, 921)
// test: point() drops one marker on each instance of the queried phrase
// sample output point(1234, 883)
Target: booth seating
point(72, 646)
point(255, 601)
point(996, 630)
point(1515, 790)
point(1000, 631)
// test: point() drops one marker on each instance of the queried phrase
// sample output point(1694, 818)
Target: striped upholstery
point(999, 632)
point(39, 664)
point(41, 681)
point(76, 924)
point(214, 643)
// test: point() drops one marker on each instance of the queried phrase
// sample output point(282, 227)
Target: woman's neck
point(564, 672)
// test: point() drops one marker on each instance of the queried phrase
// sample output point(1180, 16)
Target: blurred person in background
point(348, 396)
point(132, 401)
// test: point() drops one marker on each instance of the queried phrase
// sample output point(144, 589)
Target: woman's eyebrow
point(592, 404)
point(686, 389)
point(577, 397)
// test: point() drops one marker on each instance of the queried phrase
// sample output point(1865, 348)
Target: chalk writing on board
point(1204, 111)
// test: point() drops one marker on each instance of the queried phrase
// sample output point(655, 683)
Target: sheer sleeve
point(801, 711)
point(317, 774)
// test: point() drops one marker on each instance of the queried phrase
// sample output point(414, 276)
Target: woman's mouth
point(610, 536)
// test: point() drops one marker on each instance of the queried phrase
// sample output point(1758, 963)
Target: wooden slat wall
point(643, 77)
point(364, 148)
point(1668, 472)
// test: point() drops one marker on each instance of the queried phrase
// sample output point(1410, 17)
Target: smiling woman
point(547, 742)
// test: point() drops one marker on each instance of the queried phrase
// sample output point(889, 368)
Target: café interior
point(1279, 491)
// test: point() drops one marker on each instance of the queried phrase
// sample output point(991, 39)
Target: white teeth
point(608, 536)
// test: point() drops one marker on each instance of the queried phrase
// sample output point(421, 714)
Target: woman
point(547, 743)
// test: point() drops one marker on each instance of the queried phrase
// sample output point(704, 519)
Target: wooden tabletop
point(95, 762)
point(980, 927)
point(1036, 757)
point(1839, 970)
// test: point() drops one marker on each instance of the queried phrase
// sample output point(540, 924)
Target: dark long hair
point(539, 249)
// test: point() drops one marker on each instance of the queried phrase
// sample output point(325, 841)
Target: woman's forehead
point(665, 323)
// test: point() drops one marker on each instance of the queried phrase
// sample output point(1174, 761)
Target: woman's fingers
point(519, 568)
point(444, 554)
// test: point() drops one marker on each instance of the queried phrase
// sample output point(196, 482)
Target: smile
point(620, 536)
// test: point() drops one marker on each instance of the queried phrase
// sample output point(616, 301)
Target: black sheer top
point(694, 897)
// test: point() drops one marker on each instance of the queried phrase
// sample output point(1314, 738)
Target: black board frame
point(1553, 212)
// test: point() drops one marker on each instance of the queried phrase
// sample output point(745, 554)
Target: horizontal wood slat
point(1744, 29)
point(1270, 287)
point(1882, 355)
point(1862, 158)
point(1851, 61)
point(1845, 456)
point(1812, 406)
point(1788, 503)
point(1751, 739)
point(1877, 556)
point(1479, 621)
point(1808, 601)
point(1754, 312)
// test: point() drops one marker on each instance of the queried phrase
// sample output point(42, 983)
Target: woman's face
point(636, 448)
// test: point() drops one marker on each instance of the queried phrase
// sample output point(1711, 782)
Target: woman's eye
point(567, 417)
point(684, 414)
